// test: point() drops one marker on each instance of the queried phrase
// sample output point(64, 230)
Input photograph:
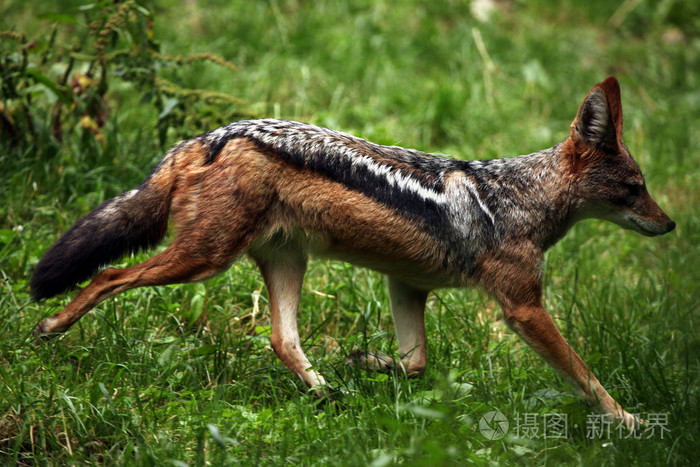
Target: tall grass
point(185, 374)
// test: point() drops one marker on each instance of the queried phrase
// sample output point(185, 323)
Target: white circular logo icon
point(493, 425)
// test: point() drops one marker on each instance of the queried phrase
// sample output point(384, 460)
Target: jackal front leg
point(407, 309)
point(534, 325)
point(513, 276)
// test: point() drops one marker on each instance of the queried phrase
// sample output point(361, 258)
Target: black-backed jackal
point(282, 191)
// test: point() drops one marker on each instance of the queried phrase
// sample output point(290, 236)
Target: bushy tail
point(130, 222)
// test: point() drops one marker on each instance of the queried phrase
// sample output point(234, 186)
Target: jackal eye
point(634, 190)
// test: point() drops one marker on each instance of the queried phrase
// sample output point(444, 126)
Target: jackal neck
point(523, 197)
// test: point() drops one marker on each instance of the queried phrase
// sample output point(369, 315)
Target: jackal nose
point(670, 226)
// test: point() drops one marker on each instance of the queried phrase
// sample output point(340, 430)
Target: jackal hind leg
point(283, 273)
point(407, 309)
point(176, 264)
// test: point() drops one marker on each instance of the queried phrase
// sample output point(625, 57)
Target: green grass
point(185, 374)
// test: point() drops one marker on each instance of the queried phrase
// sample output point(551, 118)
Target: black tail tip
point(39, 292)
point(46, 283)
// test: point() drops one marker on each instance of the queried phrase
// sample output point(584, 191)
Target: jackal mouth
point(652, 229)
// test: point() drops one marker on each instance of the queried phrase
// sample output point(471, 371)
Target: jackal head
point(606, 181)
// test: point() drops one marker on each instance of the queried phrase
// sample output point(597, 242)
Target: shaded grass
point(184, 373)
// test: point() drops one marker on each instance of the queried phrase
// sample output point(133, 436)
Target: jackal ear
point(599, 119)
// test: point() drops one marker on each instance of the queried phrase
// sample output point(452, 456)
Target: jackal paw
point(328, 395)
point(634, 423)
point(370, 361)
point(44, 332)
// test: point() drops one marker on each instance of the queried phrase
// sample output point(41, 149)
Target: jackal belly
point(409, 262)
